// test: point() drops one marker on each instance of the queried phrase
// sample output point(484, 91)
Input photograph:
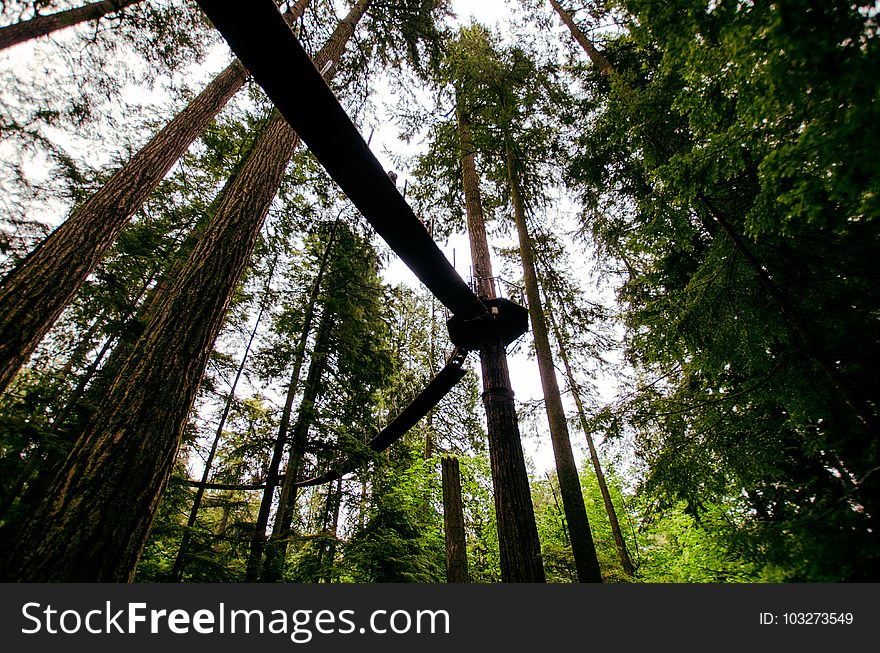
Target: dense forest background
point(685, 195)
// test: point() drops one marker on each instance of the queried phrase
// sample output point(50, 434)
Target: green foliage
point(555, 545)
point(401, 541)
point(407, 32)
point(726, 173)
point(484, 565)
point(511, 98)
point(715, 173)
point(556, 552)
point(678, 548)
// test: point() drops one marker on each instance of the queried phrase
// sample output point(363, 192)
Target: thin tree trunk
point(180, 560)
point(598, 59)
point(520, 550)
point(83, 347)
point(619, 541)
point(855, 400)
point(326, 545)
point(34, 294)
point(453, 522)
point(362, 505)
point(83, 382)
point(42, 25)
point(333, 527)
point(276, 552)
point(325, 61)
point(582, 547)
point(563, 525)
point(256, 551)
point(224, 519)
point(90, 372)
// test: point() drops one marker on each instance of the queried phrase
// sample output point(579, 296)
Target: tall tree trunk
point(619, 541)
point(276, 552)
point(42, 25)
point(34, 294)
point(856, 401)
point(520, 550)
point(257, 543)
point(453, 522)
point(599, 60)
point(582, 547)
point(180, 560)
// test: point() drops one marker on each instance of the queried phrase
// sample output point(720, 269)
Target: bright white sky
point(488, 12)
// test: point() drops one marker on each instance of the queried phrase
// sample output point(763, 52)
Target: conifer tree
point(729, 209)
point(517, 533)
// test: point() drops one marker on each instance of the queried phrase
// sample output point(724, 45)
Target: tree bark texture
point(453, 522)
point(582, 546)
point(520, 550)
point(95, 518)
point(599, 60)
point(42, 25)
point(180, 560)
point(484, 280)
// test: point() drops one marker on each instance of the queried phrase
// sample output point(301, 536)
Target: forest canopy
point(207, 349)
